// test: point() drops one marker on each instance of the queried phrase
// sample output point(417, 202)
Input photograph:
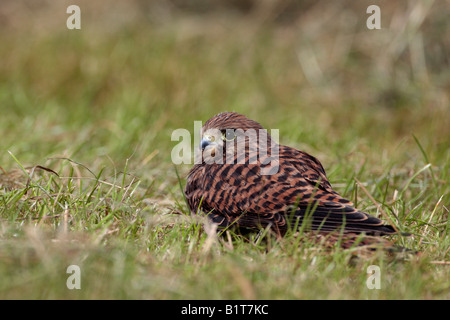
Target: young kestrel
point(247, 180)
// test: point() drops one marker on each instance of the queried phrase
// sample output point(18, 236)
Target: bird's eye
point(228, 134)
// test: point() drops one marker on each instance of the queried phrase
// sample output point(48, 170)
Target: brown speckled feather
point(299, 192)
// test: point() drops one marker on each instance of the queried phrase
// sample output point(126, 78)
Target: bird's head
point(229, 136)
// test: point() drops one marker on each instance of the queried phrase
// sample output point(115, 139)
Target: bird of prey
point(251, 182)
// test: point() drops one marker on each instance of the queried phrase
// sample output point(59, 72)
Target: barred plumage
point(297, 192)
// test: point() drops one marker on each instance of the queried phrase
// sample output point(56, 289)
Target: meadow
point(86, 117)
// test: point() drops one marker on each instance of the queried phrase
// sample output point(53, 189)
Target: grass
point(86, 176)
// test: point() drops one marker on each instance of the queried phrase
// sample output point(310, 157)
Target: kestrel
point(251, 182)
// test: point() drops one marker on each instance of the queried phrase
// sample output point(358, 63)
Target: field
point(86, 118)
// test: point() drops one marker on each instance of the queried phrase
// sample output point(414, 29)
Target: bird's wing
point(302, 186)
point(299, 192)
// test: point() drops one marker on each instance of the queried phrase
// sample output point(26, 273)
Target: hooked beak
point(206, 141)
point(210, 139)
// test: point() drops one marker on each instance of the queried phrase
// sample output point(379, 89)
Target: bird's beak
point(206, 141)
point(210, 139)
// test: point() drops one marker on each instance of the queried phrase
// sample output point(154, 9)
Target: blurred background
point(136, 70)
